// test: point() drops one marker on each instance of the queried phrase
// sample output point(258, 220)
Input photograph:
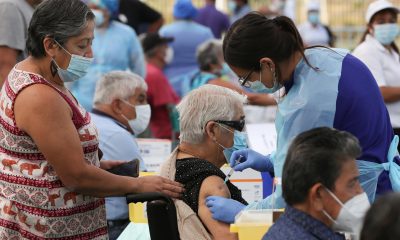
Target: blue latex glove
point(224, 209)
point(392, 166)
point(251, 159)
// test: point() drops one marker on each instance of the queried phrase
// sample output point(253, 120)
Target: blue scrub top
point(341, 93)
point(188, 35)
point(114, 48)
point(360, 110)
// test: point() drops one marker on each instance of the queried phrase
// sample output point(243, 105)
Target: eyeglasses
point(237, 125)
point(244, 81)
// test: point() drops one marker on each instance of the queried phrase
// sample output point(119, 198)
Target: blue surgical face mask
point(386, 33)
point(77, 67)
point(231, 6)
point(239, 142)
point(259, 87)
point(313, 17)
point(99, 17)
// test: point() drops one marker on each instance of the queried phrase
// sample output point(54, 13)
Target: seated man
point(211, 124)
point(120, 110)
point(321, 188)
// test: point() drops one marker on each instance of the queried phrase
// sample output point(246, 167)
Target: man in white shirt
point(120, 111)
point(380, 53)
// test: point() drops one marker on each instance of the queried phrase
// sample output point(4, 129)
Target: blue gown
point(341, 94)
point(187, 35)
point(114, 48)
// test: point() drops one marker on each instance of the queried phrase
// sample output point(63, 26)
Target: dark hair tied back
point(254, 37)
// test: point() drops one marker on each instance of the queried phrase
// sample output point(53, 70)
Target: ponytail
point(286, 24)
point(254, 37)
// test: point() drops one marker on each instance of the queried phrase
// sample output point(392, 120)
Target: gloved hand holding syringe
point(237, 161)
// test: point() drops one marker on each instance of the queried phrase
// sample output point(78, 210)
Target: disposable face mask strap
point(62, 47)
point(125, 117)
point(334, 197)
point(221, 125)
point(58, 67)
point(220, 145)
point(328, 216)
point(128, 103)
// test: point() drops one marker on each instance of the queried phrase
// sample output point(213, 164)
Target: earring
point(53, 68)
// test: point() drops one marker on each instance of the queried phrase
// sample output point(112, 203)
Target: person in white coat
point(313, 32)
point(380, 53)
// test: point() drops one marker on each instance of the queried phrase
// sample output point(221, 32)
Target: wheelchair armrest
point(148, 197)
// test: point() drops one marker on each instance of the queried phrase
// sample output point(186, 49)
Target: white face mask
point(140, 123)
point(351, 215)
point(169, 55)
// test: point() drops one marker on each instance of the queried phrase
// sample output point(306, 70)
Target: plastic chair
point(161, 215)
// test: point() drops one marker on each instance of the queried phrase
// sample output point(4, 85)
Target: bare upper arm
point(46, 117)
point(7, 61)
point(223, 83)
point(214, 186)
point(8, 55)
point(261, 99)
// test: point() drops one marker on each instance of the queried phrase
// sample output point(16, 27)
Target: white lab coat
point(314, 35)
point(385, 67)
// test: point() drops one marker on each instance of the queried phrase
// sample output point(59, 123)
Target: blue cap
point(112, 6)
point(184, 9)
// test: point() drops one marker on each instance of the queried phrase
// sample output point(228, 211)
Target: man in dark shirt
point(321, 188)
point(140, 16)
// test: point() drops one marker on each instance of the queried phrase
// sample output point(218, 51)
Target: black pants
point(116, 227)
point(397, 132)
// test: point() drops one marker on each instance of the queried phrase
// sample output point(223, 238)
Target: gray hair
point(206, 103)
point(58, 19)
point(208, 53)
point(117, 85)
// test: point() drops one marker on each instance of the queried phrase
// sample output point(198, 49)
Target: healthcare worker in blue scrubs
point(319, 87)
point(116, 48)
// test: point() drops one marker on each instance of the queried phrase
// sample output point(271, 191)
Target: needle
point(237, 161)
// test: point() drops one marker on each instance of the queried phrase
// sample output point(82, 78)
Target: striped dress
point(34, 203)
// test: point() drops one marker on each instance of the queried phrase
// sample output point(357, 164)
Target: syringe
point(237, 161)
